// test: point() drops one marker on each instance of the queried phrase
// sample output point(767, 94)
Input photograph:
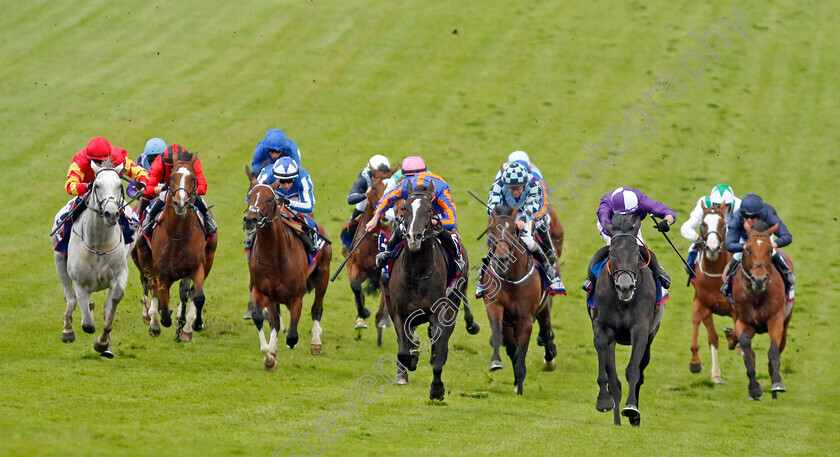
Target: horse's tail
point(372, 286)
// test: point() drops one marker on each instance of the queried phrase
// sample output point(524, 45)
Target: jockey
point(81, 174)
point(272, 147)
point(295, 191)
point(519, 189)
point(154, 148)
point(417, 174)
point(160, 174)
point(720, 194)
point(627, 200)
point(358, 194)
point(754, 209)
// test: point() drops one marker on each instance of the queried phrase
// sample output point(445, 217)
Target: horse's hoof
point(185, 337)
point(198, 326)
point(315, 349)
point(631, 412)
point(730, 338)
point(155, 332)
point(107, 354)
point(604, 404)
point(436, 393)
point(401, 379)
point(68, 337)
point(549, 365)
point(89, 328)
point(166, 318)
point(518, 389)
point(495, 365)
point(98, 347)
point(90, 306)
point(270, 364)
point(739, 350)
point(756, 394)
point(473, 328)
point(695, 368)
point(360, 323)
point(717, 380)
point(364, 314)
point(778, 387)
point(385, 322)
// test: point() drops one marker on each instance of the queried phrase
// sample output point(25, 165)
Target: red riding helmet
point(98, 149)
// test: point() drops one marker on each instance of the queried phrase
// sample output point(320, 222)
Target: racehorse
point(416, 292)
point(758, 293)
point(361, 265)
point(97, 258)
point(625, 313)
point(178, 250)
point(556, 234)
point(279, 273)
point(513, 296)
point(708, 300)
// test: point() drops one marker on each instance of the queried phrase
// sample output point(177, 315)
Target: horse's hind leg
point(524, 326)
point(745, 341)
point(709, 322)
point(633, 373)
point(67, 334)
point(317, 311)
point(382, 320)
point(115, 295)
point(697, 316)
point(441, 351)
point(294, 312)
point(494, 315)
point(776, 329)
point(195, 304)
point(546, 337)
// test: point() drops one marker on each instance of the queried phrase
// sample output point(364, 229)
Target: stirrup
point(587, 285)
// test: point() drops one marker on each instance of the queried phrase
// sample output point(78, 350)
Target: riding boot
point(479, 288)
point(383, 256)
point(446, 239)
point(350, 231)
point(249, 241)
point(544, 260)
point(727, 282)
point(544, 240)
point(149, 219)
point(655, 267)
point(310, 243)
point(600, 255)
point(209, 223)
point(783, 267)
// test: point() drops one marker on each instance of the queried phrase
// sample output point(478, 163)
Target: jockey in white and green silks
point(720, 194)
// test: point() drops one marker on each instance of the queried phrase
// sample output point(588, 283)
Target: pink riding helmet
point(413, 164)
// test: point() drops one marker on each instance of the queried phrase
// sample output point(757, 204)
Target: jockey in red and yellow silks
point(81, 174)
point(416, 173)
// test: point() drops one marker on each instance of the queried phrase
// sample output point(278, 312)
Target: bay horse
point(361, 265)
point(279, 274)
point(178, 250)
point(416, 292)
point(97, 258)
point(708, 300)
point(625, 313)
point(758, 294)
point(513, 296)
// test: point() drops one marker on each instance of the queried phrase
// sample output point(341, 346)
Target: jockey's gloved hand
point(140, 186)
point(81, 188)
point(663, 226)
point(283, 200)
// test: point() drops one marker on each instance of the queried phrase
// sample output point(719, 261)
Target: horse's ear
point(636, 226)
point(252, 177)
point(194, 158)
point(275, 184)
point(430, 189)
point(120, 168)
point(609, 228)
point(409, 186)
point(514, 213)
point(771, 230)
point(392, 171)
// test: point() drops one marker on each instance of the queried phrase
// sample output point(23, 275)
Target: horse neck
point(274, 242)
point(716, 266)
point(95, 232)
point(420, 263)
point(177, 226)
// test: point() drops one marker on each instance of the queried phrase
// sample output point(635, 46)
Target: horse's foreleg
point(696, 317)
point(775, 329)
point(154, 323)
point(67, 334)
point(709, 322)
point(294, 317)
point(441, 352)
point(195, 305)
point(144, 300)
point(546, 337)
point(745, 335)
point(639, 335)
point(494, 315)
point(317, 310)
point(524, 325)
point(83, 297)
point(603, 341)
point(115, 295)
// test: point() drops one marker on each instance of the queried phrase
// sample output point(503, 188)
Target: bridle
point(633, 275)
point(746, 271)
point(263, 221)
point(99, 212)
point(703, 242)
point(511, 257)
point(191, 194)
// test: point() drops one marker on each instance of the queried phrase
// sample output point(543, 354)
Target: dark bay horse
point(178, 251)
point(708, 300)
point(625, 313)
point(758, 293)
point(361, 266)
point(416, 292)
point(513, 296)
point(279, 272)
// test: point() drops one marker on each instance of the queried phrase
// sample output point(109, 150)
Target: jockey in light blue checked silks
point(295, 191)
point(519, 189)
point(720, 194)
point(627, 200)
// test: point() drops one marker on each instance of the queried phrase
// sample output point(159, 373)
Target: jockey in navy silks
point(627, 200)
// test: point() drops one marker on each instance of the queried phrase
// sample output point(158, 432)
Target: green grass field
point(462, 84)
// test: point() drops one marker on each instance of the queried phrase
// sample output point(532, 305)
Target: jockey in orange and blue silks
point(416, 173)
point(81, 174)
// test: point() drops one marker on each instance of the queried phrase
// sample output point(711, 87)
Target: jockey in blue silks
point(752, 210)
point(416, 173)
point(272, 147)
point(720, 194)
point(295, 191)
point(518, 188)
point(627, 200)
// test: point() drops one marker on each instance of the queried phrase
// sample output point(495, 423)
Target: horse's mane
point(184, 156)
point(761, 226)
point(623, 223)
point(420, 188)
point(503, 210)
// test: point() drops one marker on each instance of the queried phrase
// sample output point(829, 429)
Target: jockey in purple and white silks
point(519, 189)
point(720, 194)
point(752, 210)
point(295, 191)
point(627, 200)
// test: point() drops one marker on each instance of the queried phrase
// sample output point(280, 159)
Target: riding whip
point(487, 206)
point(340, 267)
point(687, 267)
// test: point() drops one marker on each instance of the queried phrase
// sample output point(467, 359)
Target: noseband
point(97, 209)
point(264, 220)
point(746, 271)
point(709, 233)
point(633, 275)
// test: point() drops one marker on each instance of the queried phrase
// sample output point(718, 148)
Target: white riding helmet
point(722, 193)
point(379, 162)
point(519, 156)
